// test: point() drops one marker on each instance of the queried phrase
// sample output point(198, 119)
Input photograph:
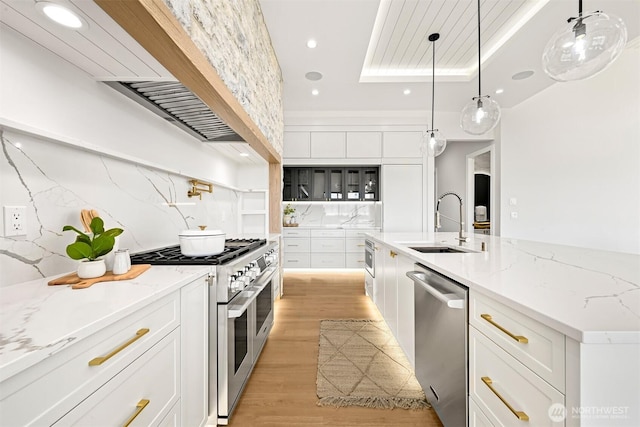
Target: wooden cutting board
point(78, 283)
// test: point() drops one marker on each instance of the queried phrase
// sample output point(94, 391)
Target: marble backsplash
point(54, 182)
point(337, 214)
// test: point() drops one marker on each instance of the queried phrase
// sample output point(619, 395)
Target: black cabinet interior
point(331, 183)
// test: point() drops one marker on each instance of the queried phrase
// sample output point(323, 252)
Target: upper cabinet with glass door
point(334, 184)
point(296, 184)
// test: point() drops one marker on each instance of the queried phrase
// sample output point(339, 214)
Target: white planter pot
point(91, 269)
point(201, 242)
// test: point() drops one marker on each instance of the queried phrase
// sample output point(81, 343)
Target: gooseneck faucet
point(460, 237)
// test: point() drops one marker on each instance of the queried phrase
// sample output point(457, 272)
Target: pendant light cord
point(479, 57)
point(433, 85)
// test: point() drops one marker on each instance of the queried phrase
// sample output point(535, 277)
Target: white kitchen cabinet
point(173, 418)
point(544, 349)
point(327, 260)
point(406, 311)
point(328, 145)
point(99, 379)
point(506, 391)
point(402, 191)
point(297, 145)
point(513, 359)
point(476, 417)
point(296, 248)
point(195, 358)
point(364, 145)
point(331, 245)
point(390, 312)
point(45, 392)
point(143, 393)
point(378, 281)
point(401, 145)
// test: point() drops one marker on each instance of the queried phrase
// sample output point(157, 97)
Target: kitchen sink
point(437, 250)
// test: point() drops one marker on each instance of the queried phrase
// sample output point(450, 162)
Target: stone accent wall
point(233, 36)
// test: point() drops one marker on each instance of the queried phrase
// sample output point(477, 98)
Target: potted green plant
point(89, 248)
point(288, 211)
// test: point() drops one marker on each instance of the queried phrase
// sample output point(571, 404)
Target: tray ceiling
point(398, 50)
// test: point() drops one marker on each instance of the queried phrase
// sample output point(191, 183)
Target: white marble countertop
point(37, 320)
point(589, 295)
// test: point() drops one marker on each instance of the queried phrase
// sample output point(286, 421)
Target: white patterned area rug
point(361, 364)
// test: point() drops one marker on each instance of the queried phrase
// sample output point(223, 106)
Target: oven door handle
point(236, 310)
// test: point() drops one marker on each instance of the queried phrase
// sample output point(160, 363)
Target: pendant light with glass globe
point(433, 139)
point(482, 113)
point(585, 46)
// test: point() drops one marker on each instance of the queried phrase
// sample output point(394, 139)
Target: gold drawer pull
point(100, 360)
point(393, 254)
point(139, 407)
point(518, 338)
point(519, 414)
point(361, 246)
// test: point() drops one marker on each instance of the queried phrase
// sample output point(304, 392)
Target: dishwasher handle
point(451, 300)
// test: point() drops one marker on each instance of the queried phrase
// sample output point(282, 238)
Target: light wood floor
point(282, 388)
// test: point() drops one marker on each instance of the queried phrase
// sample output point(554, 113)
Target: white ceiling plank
point(49, 40)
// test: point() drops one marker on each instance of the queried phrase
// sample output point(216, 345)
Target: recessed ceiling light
point(406, 91)
point(313, 76)
point(61, 15)
point(499, 91)
point(522, 75)
point(315, 92)
point(311, 43)
point(244, 154)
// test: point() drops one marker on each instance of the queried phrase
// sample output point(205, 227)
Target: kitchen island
point(581, 305)
point(90, 355)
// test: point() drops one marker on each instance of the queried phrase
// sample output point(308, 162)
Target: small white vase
point(91, 269)
point(286, 219)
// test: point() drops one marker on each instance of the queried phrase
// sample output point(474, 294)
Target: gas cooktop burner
point(171, 255)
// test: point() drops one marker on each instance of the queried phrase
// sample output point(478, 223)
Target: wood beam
point(152, 24)
point(275, 198)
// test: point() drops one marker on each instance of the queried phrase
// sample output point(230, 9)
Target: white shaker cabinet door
point(364, 144)
point(328, 145)
point(401, 145)
point(196, 358)
point(402, 204)
point(297, 145)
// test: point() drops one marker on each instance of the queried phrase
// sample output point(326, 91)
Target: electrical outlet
point(15, 221)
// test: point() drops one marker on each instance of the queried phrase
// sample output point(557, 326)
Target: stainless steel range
point(240, 312)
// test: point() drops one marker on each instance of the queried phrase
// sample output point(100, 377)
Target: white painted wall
point(571, 157)
point(451, 175)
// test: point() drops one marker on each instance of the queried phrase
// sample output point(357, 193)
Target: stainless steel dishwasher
point(441, 315)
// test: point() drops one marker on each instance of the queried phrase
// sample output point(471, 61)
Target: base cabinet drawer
point(173, 417)
point(505, 390)
point(296, 260)
point(354, 260)
point(476, 417)
point(142, 394)
point(327, 260)
point(296, 245)
point(539, 347)
point(327, 245)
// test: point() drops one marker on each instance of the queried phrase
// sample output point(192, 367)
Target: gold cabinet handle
point(519, 414)
point(139, 408)
point(361, 246)
point(100, 360)
point(392, 254)
point(518, 338)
